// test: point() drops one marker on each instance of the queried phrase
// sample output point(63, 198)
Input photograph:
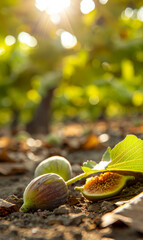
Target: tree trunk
point(14, 123)
point(41, 119)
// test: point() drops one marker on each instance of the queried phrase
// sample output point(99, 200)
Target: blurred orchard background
point(69, 60)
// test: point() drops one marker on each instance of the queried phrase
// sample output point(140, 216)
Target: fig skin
point(55, 164)
point(47, 191)
point(106, 185)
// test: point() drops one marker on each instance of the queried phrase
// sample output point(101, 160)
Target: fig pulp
point(55, 164)
point(106, 185)
point(47, 191)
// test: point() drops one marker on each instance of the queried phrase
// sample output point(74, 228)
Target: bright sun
point(52, 6)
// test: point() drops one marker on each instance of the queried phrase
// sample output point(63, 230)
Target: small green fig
point(106, 185)
point(55, 164)
point(47, 191)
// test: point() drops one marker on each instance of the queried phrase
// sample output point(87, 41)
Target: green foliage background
point(101, 76)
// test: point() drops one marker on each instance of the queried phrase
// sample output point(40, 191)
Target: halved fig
point(106, 185)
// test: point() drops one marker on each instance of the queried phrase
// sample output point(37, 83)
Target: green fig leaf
point(88, 166)
point(127, 155)
point(92, 166)
point(106, 156)
point(88, 170)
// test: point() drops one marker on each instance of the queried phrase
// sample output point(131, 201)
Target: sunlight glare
point(104, 137)
point(86, 6)
point(101, 165)
point(129, 12)
point(10, 40)
point(140, 14)
point(27, 39)
point(55, 18)
point(52, 6)
point(68, 40)
point(103, 1)
point(2, 50)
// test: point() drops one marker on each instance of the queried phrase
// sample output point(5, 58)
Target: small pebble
point(61, 210)
point(107, 206)
point(95, 207)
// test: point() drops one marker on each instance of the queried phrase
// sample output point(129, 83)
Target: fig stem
point(78, 188)
point(24, 208)
point(83, 175)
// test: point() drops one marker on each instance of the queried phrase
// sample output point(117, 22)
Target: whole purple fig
point(47, 191)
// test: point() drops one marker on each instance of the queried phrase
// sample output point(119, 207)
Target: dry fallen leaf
point(7, 207)
point(72, 130)
point(131, 214)
point(73, 201)
point(92, 142)
point(5, 142)
point(13, 168)
point(136, 129)
point(4, 156)
point(85, 142)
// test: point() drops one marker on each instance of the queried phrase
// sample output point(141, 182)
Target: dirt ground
point(77, 219)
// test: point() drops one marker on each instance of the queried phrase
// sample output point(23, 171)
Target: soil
point(77, 219)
